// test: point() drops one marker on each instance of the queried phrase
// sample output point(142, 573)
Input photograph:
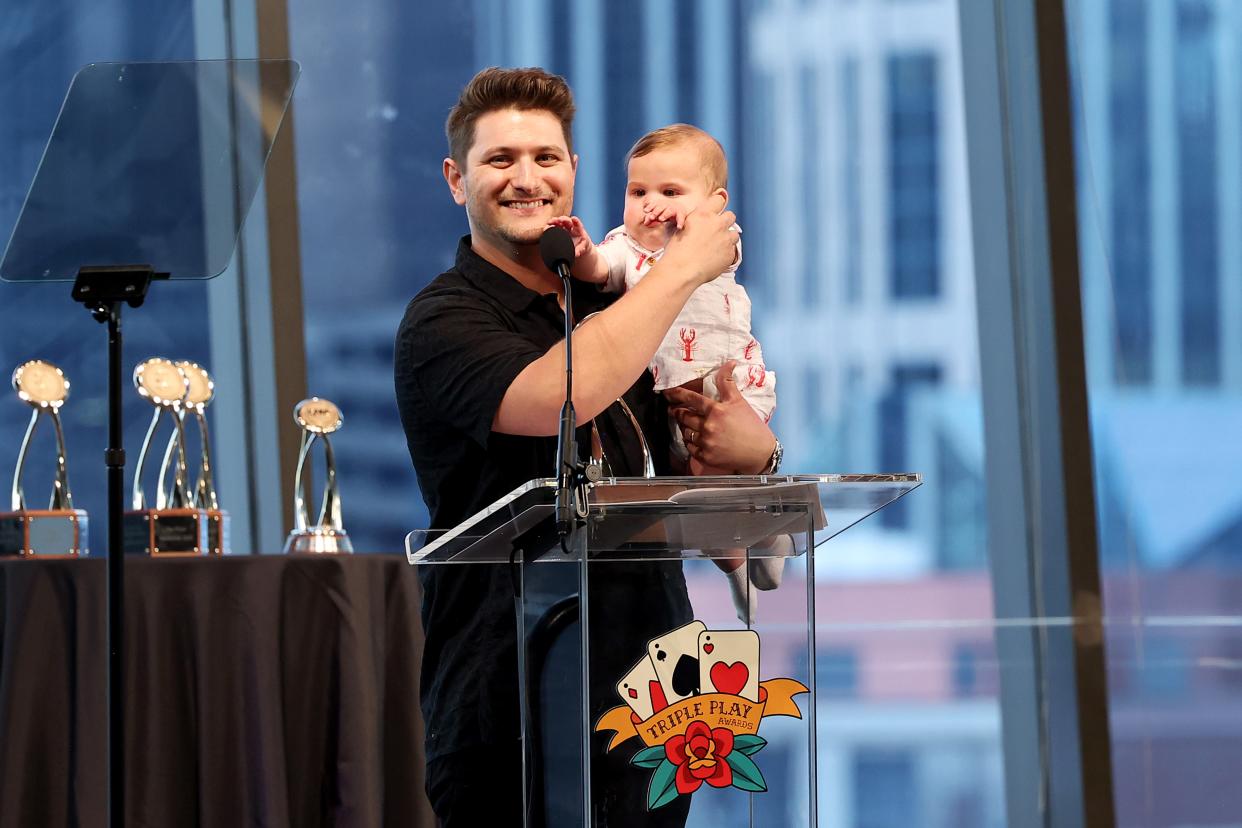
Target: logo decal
point(696, 702)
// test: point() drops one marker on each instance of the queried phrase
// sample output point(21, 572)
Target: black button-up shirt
point(464, 339)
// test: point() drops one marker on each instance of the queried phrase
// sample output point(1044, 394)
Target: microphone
point(556, 249)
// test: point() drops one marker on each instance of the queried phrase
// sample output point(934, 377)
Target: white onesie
point(712, 328)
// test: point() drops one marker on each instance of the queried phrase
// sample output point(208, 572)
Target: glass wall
point(1158, 128)
point(42, 45)
point(844, 129)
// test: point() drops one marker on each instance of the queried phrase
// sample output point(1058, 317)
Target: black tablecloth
point(266, 691)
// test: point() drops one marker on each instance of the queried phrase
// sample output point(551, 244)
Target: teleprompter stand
point(105, 291)
point(642, 684)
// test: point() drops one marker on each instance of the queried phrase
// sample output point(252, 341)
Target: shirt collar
point(513, 294)
point(492, 280)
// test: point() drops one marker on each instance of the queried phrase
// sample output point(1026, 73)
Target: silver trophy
point(59, 530)
point(317, 418)
point(174, 526)
point(200, 394)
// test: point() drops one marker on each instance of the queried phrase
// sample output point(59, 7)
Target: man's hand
point(705, 245)
point(725, 433)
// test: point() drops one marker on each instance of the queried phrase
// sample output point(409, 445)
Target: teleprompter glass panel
point(150, 163)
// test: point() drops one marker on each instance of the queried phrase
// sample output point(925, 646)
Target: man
point(480, 383)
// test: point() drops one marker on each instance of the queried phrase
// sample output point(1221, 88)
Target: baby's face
point(667, 176)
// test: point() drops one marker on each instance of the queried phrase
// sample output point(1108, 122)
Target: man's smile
point(527, 204)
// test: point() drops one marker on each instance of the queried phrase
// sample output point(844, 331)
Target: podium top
point(667, 518)
point(150, 164)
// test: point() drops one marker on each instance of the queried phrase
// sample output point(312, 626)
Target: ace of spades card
point(675, 656)
point(729, 662)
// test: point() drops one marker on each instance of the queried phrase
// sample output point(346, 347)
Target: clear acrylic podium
point(645, 692)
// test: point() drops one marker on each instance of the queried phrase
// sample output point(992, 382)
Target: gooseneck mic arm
point(557, 250)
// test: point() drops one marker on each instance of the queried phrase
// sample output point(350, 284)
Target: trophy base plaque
point(44, 533)
point(218, 533)
point(175, 532)
point(320, 540)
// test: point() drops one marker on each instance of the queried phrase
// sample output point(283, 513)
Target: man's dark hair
point(496, 88)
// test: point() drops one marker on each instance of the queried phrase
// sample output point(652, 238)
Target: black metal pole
point(114, 458)
point(104, 291)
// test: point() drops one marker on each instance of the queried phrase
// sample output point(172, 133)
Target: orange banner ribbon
point(736, 713)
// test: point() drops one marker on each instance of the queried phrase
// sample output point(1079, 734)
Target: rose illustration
point(700, 757)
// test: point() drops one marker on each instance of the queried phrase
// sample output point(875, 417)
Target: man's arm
point(614, 347)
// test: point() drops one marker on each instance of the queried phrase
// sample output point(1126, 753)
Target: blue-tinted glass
point(687, 37)
point(1129, 163)
point(739, 49)
point(559, 12)
point(377, 224)
point(758, 213)
point(886, 789)
point(914, 194)
point(810, 95)
point(961, 527)
point(836, 673)
point(1197, 175)
point(1153, 83)
point(624, 111)
point(851, 184)
point(906, 380)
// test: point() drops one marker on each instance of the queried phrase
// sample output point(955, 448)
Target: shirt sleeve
point(613, 251)
point(456, 357)
point(737, 259)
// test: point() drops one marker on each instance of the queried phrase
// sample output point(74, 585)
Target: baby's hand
point(672, 214)
point(573, 225)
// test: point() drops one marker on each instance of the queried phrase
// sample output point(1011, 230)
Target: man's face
point(518, 174)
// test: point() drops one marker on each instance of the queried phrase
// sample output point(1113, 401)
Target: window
point(1197, 176)
point(1129, 165)
point(885, 789)
point(914, 186)
point(1158, 77)
point(894, 431)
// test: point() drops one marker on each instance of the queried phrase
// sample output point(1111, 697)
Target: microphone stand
point(568, 467)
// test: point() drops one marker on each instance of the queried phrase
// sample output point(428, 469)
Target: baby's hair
point(711, 153)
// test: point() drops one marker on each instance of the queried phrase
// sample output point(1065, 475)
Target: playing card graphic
point(675, 657)
point(693, 702)
point(641, 690)
point(729, 662)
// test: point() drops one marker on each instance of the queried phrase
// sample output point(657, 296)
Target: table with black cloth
point(259, 691)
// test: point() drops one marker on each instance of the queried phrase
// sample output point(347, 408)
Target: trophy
point(201, 392)
point(175, 526)
point(317, 418)
point(60, 529)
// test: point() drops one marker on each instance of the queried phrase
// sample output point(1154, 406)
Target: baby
point(672, 171)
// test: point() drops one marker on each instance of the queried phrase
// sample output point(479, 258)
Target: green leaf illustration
point(663, 788)
point(746, 774)
point(649, 757)
point(749, 744)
